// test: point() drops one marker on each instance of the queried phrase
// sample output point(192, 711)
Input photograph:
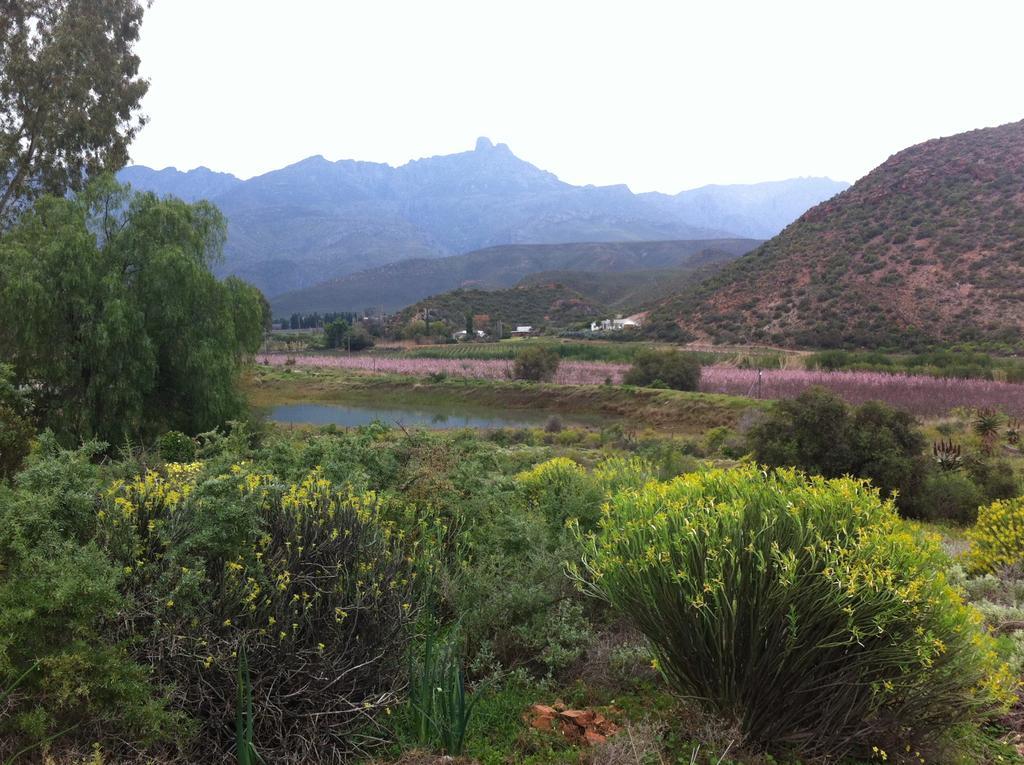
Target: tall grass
point(438, 702)
point(245, 747)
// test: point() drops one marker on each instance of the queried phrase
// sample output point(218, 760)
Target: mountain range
point(317, 220)
point(927, 249)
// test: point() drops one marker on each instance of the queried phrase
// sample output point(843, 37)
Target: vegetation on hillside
point(922, 251)
point(537, 305)
point(393, 286)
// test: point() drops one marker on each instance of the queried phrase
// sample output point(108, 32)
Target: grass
point(662, 410)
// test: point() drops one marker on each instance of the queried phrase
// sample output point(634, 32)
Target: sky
point(659, 95)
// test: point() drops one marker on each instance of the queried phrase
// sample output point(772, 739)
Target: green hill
point(625, 291)
point(927, 249)
point(536, 305)
point(399, 284)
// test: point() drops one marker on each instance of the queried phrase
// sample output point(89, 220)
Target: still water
point(348, 416)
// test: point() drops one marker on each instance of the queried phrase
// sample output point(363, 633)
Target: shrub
point(949, 496)
point(16, 433)
point(16, 427)
point(802, 608)
point(560, 489)
point(671, 369)
point(59, 595)
point(997, 539)
point(819, 434)
point(308, 576)
point(175, 446)
point(536, 363)
point(995, 478)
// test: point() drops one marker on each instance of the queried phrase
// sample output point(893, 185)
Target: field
point(921, 395)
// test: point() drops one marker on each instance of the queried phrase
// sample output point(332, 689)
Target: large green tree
point(69, 95)
point(115, 320)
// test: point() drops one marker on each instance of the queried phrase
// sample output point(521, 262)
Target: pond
point(348, 416)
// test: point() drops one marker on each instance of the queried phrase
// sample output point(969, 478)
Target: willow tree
point(69, 95)
point(114, 319)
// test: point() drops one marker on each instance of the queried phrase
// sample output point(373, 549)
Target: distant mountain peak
point(318, 219)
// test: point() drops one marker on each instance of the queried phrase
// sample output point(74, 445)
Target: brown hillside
point(927, 249)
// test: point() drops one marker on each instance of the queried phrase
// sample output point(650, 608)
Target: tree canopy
point(69, 95)
point(115, 320)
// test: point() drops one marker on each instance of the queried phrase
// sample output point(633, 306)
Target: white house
point(522, 329)
point(613, 324)
point(463, 334)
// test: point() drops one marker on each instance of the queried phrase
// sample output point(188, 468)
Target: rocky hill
point(396, 285)
point(317, 220)
point(926, 249)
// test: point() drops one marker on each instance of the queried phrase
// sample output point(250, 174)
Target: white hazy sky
point(659, 95)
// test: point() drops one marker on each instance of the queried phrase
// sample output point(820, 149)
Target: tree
point(69, 95)
point(669, 368)
point(336, 333)
point(536, 364)
point(121, 328)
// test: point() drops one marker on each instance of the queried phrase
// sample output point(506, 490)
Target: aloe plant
point(1013, 432)
point(986, 425)
point(947, 455)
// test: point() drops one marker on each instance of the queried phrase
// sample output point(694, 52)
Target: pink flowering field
point(917, 394)
point(920, 395)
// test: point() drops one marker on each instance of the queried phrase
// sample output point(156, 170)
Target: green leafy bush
point(820, 434)
point(59, 599)
point(671, 369)
point(16, 427)
point(536, 363)
point(949, 496)
point(802, 608)
point(175, 446)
